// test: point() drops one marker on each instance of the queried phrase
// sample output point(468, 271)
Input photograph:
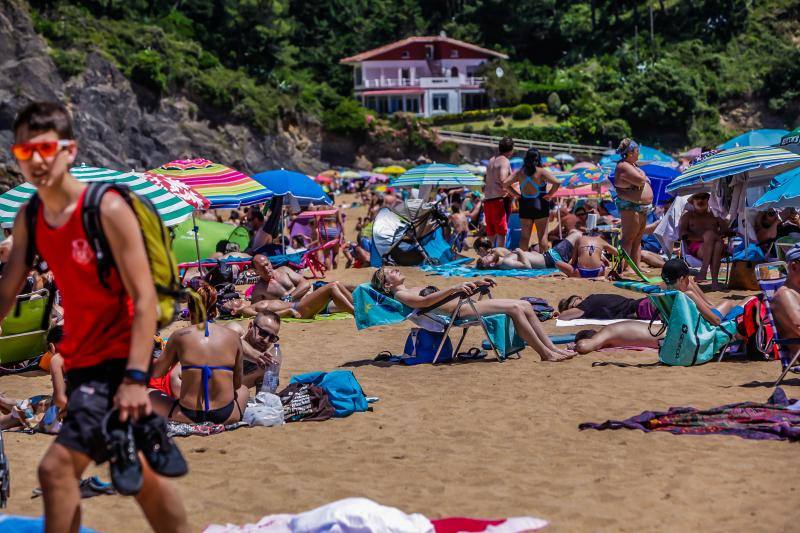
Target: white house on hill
point(422, 75)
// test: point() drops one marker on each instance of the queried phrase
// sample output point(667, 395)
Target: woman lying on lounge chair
point(391, 281)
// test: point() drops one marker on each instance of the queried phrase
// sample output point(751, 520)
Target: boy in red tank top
point(108, 330)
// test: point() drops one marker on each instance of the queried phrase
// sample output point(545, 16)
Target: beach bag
point(306, 402)
point(157, 243)
point(743, 276)
point(265, 410)
point(421, 346)
point(221, 274)
point(757, 331)
point(343, 390)
point(544, 311)
point(690, 339)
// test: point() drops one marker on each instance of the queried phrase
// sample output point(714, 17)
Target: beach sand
point(480, 439)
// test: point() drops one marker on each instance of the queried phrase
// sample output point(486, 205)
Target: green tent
point(209, 233)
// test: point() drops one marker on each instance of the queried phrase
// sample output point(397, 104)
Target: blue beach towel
point(461, 269)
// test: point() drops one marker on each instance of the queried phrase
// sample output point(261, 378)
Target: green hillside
point(597, 66)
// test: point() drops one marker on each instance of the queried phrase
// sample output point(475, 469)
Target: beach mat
point(778, 419)
point(461, 269)
point(598, 322)
point(180, 429)
point(27, 524)
point(331, 316)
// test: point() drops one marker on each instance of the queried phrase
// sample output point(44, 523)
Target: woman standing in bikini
point(534, 201)
point(634, 198)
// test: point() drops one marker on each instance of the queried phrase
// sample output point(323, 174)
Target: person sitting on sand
point(786, 303)
point(210, 361)
point(257, 339)
point(702, 231)
point(392, 282)
point(280, 283)
point(460, 227)
point(587, 259)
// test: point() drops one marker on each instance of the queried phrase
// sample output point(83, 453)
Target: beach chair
point(24, 331)
point(771, 277)
point(374, 308)
point(690, 339)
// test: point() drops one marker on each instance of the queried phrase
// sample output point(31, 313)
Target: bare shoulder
point(786, 296)
point(235, 326)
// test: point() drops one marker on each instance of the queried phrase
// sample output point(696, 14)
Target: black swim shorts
point(91, 392)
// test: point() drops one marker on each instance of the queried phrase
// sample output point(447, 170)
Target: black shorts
point(534, 208)
point(563, 249)
point(91, 393)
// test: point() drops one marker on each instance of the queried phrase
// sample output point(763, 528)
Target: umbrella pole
point(283, 227)
point(196, 243)
point(558, 213)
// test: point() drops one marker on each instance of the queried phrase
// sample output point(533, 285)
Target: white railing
point(424, 82)
point(550, 147)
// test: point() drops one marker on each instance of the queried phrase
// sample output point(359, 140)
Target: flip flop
point(158, 448)
point(472, 354)
point(125, 467)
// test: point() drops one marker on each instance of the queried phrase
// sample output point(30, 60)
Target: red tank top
point(97, 320)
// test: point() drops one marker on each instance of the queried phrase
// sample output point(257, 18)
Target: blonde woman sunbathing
point(391, 281)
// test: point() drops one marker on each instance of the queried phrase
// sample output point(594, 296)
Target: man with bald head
point(280, 283)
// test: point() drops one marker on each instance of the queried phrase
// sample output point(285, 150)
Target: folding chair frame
point(464, 299)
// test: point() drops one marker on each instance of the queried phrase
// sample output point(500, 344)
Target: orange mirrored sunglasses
point(24, 151)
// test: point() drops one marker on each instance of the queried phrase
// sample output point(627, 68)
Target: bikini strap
point(207, 372)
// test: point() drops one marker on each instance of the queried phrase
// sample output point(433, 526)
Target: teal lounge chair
point(690, 339)
point(374, 308)
point(24, 331)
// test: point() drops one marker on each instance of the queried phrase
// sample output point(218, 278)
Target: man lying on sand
point(391, 281)
point(786, 304)
point(504, 259)
point(209, 358)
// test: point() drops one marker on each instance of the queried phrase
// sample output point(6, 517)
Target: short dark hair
point(271, 315)
point(482, 242)
point(44, 116)
point(506, 145)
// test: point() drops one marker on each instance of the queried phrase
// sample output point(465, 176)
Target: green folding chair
point(24, 331)
point(622, 255)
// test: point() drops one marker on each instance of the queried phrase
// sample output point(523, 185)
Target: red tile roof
point(363, 56)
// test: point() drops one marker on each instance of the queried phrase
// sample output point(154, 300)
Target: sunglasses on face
point(266, 334)
point(24, 151)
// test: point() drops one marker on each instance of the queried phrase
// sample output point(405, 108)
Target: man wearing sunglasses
point(108, 329)
point(257, 340)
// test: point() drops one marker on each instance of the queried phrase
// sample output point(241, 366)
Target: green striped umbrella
point(172, 209)
point(759, 164)
point(437, 175)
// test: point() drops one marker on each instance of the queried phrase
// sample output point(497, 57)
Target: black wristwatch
point(140, 377)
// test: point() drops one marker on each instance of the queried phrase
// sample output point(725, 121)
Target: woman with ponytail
point(534, 201)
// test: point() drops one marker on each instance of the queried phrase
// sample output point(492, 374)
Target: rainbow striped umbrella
point(586, 176)
point(172, 209)
point(224, 187)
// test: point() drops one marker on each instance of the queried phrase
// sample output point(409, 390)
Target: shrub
point(522, 112)
point(68, 62)
point(553, 103)
point(540, 108)
point(468, 129)
point(346, 119)
point(499, 122)
point(146, 68)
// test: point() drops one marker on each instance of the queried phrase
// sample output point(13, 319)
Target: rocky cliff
point(115, 130)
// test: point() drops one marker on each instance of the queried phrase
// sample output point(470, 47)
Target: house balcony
point(456, 82)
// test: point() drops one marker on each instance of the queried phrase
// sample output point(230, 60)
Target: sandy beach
point(480, 439)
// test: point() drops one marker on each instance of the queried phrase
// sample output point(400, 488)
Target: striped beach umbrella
point(760, 164)
point(172, 209)
point(437, 175)
point(224, 187)
point(585, 176)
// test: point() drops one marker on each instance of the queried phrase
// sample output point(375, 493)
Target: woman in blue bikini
point(534, 201)
point(209, 359)
point(634, 198)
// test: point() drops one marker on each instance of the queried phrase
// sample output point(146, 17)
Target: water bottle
point(272, 373)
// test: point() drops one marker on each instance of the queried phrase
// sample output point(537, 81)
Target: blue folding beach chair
point(771, 277)
point(374, 308)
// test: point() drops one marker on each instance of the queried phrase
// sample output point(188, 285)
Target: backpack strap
point(93, 227)
point(31, 217)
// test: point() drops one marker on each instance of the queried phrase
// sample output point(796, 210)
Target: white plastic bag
point(266, 410)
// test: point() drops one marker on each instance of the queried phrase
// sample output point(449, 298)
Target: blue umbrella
point(755, 138)
point(784, 191)
point(516, 163)
point(286, 182)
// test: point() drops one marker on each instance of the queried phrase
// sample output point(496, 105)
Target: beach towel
point(179, 429)
point(598, 322)
point(329, 316)
point(361, 515)
point(27, 524)
point(461, 269)
point(778, 419)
